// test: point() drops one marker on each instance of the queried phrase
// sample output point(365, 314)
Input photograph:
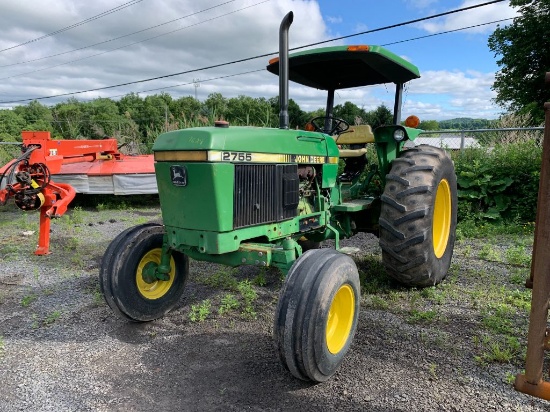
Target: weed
point(222, 279)
point(373, 276)
point(249, 295)
point(520, 299)
point(98, 297)
point(518, 256)
point(28, 299)
point(52, 317)
point(418, 316)
point(497, 318)
point(200, 312)
point(433, 294)
point(376, 302)
point(73, 243)
point(488, 252)
point(228, 303)
point(34, 323)
point(518, 277)
point(260, 279)
point(76, 217)
point(498, 351)
point(432, 369)
point(509, 378)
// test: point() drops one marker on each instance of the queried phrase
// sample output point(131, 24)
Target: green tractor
point(259, 196)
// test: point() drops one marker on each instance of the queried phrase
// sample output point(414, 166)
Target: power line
point(355, 88)
point(193, 82)
point(259, 56)
point(393, 26)
point(137, 42)
point(447, 32)
point(97, 16)
point(121, 37)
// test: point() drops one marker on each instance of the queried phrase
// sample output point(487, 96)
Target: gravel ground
point(62, 349)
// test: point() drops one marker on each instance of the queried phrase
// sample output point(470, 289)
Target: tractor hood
point(212, 143)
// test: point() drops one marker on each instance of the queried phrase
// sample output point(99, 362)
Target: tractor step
point(355, 205)
point(349, 250)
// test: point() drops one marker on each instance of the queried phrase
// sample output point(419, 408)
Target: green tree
point(130, 106)
point(296, 116)
point(245, 110)
point(215, 106)
point(37, 116)
point(185, 111)
point(101, 118)
point(379, 116)
point(69, 118)
point(524, 52)
point(350, 112)
point(429, 125)
point(11, 124)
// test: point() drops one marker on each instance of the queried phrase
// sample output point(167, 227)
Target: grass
point(487, 303)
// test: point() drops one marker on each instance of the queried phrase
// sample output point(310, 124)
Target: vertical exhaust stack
point(283, 70)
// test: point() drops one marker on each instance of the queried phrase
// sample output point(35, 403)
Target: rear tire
point(418, 216)
point(121, 281)
point(316, 316)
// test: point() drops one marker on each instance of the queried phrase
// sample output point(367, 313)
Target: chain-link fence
point(477, 138)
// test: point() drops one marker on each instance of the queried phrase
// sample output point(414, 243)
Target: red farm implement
point(48, 174)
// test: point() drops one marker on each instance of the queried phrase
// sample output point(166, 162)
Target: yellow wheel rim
point(340, 319)
point(441, 218)
point(159, 288)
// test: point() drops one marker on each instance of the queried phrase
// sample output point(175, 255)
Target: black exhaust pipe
point(283, 70)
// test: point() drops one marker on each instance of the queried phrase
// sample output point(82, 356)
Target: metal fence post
point(538, 340)
point(462, 141)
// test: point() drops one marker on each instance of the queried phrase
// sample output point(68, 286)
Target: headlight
point(398, 135)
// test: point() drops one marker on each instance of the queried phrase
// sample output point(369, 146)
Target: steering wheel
point(339, 126)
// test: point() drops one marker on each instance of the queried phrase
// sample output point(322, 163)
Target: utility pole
point(197, 84)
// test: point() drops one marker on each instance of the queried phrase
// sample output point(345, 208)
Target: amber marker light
point(360, 48)
point(309, 127)
point(273, 60)
point(412, 121)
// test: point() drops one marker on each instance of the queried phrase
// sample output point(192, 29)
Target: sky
point(53, 47)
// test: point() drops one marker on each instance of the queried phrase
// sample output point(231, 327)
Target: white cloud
point(227, 34)
point(449, 94)
point(215, 36)
point(334, 19)
point(480, 15)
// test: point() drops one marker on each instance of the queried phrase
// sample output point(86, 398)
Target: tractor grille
point(264, 193)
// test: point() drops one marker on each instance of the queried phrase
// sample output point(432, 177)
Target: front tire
point(121, 275)
point(316, 316)
point(418, 216)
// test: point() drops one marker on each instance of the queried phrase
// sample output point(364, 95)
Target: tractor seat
point(356, 135)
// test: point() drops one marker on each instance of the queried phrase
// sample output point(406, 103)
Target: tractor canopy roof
point(340, 67)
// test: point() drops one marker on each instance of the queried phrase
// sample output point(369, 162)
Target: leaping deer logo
point(178, 175)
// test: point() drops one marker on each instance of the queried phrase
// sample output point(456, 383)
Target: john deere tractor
point(258, 196)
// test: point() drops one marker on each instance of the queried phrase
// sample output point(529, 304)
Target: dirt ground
point(62, 349)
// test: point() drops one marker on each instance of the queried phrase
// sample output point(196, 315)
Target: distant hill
point(465, 123)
